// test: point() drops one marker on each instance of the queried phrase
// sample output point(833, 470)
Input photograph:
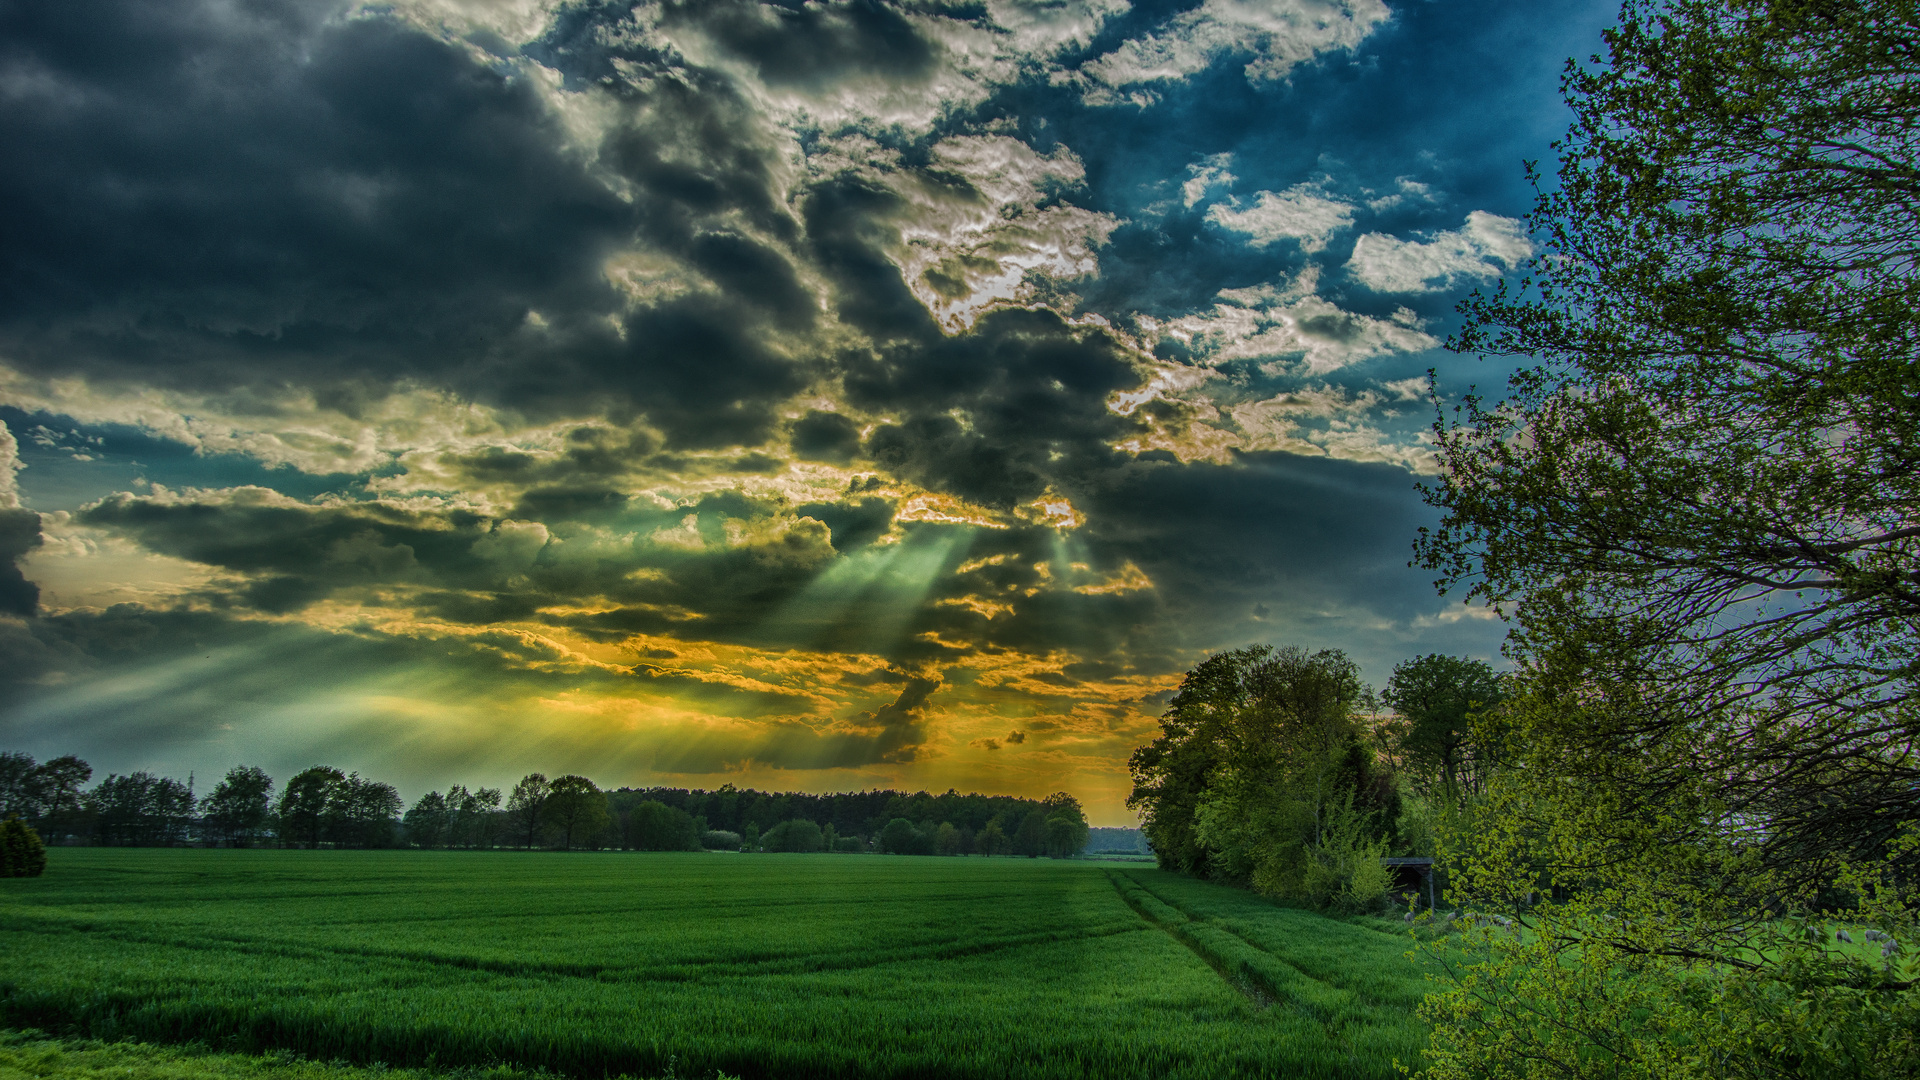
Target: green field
point(758, 966)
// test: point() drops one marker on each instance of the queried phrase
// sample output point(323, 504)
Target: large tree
point(305, 804)
point(238, 807)
point(1261, 775)
point(1439, 733)
point(523, 806)
point(1700, 503)
point(574, 810)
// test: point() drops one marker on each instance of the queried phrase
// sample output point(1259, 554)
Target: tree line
point(325, 807)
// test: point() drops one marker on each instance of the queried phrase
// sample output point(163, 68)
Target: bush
point(900, 837)
point(21, 852)
point(655, 826)
point(796, 835)
point(720, 840)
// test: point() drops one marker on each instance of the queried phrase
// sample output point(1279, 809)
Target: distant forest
point(323, 807)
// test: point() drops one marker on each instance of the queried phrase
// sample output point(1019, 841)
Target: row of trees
point(1275, 770)
point(325, 807)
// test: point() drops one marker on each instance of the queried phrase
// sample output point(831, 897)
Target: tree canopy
point(1263, 774)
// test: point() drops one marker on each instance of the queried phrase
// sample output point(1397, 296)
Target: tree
point(473, 817)
point(991, 840)
point(238, 807)
point(795, 834)
point(1031, 838)
point(1066, 833)
point(900, 838)
point(428, 823)
point(141, 810)
point(305, 803)
point(1261, 776)
point(21, 852)
point(523, 807)
point(1698, 505)
point(946, 840)
point(654, 826)
point(750, 837)
point(362, 812)
point(48, 795)
point(1439, 699)
point(16, 791)
point(575, 809)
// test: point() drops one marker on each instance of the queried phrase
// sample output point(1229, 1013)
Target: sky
point(806, 396)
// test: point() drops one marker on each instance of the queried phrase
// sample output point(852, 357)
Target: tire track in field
point(1226, 927)
point(685, 971)
point(1263, 990)
point(1250, 988)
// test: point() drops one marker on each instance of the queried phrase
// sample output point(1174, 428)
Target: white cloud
point(1296, 213)
point(1317, 420)
point(966, 246)
point(1276, 34)
point(1294, 327)
point(290, 428)
point(1209, 173)
point(1385, 264)
point(513, 20)
point(10, 464)
point(1407, 190)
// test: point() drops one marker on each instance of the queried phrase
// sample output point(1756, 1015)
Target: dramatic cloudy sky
point(816, 395)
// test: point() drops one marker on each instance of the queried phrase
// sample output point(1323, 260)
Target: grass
point(767, 966)
point(31, 1055)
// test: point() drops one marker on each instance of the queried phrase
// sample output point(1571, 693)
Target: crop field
point(759, 966)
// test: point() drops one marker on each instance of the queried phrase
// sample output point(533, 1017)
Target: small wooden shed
point(1413, 875)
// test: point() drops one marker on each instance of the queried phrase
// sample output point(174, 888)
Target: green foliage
point(1698, 506)
point(574, 811)
point(46, 794)
point(901, 838)
point(523, 808)
point(1438, 701)
point(304, 804)
point(654, 826)
point(608, 964)
point(31, 1054)
point(140, 809)
point(239, 807)
point(797, 835)
point(992, 840)
point(21, 852)
point(473, 817)
point(1031, 838)
point(1262, 776)
point(1648, 939)
point(1066, 832)
point(427, 824)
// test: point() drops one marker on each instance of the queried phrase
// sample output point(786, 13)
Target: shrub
point(21, 852)
point(796, 835)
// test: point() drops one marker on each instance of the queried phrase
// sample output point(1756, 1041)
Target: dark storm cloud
point(19, 534)
point(997, 415)
point(894, 733)
point(218, 197)
point(464, 567)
